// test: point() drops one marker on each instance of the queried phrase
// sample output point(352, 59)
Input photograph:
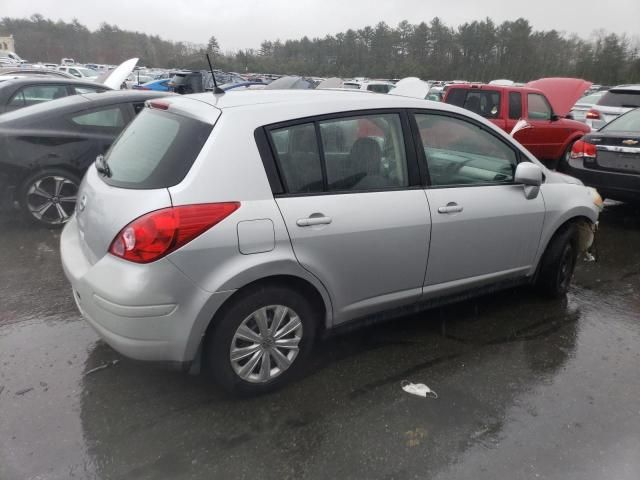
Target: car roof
point(35, 80)
point(315, 102)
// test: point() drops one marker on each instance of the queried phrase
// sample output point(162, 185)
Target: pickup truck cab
point(549, 136)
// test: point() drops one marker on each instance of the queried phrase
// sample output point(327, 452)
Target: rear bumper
point(613, 185)
point(146, 312)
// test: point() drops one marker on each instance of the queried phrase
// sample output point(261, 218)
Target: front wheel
point(48, 197)
point(261, 341)
point(559, 262)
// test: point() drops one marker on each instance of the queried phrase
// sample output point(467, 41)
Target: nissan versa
point(234, 229)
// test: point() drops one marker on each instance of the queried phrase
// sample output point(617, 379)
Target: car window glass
point(620, 98)
point(378, 88)
point(483, 102)
point(539, 109)
point(515, 105)
point(459, 152)
point(364, 153)
point(298, 157)
point(81, 90)
point(17, 100)
point(456, 97)
point(629, 122)
point(109, 117)
point(35, 94)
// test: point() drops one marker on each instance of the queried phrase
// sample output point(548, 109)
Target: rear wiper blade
point(102, 166)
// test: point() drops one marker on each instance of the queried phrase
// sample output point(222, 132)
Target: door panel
point(493, 229)
point(368, 249)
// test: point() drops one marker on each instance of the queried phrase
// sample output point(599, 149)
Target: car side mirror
point(530, 175)
point(569, 116)
point(555, 117)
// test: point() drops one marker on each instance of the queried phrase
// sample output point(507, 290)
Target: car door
point(546, 139)
point(484, 229)
point(354, 208)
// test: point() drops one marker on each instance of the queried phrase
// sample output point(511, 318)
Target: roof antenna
point(216, 89)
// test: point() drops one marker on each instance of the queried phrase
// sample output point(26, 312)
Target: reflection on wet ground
point(528, 388)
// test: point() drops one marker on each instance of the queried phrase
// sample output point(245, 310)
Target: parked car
point(614, 103)
point(46, 148)
point(185, 82)
point(550, 137)
point(35, 71)
point(584, 104)
point(161, 85)
point(20, 92)
point(243, 86)
point(244, 225)
point(609, 159)
point(80, 72)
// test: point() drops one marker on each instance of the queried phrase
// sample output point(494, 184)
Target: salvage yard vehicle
point(584, 104)
point(609, 159)
point(551, 137)
point(234, 229)
point(47, 148)
point(20, 92)
point(612, 104)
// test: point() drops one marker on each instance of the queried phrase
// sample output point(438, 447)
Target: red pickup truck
point(549, 135)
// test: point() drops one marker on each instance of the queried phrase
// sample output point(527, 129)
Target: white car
point(79, 72)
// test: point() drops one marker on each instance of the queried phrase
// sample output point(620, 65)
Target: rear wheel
point(48, 197)
point(261, 341)
point(559, 262)
point(564, 161)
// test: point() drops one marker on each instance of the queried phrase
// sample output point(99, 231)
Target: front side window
point(364, 153)
point(539, 108)
point(459, 152)
point(107, 118)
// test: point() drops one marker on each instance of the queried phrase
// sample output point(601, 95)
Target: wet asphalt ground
point(527, 388)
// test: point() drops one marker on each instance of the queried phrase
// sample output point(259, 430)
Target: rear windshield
point(156, 150)
point(629, 122)
point(620, 98)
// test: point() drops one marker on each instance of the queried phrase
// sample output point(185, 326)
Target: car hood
point(556, 177)
point(120, 73)
point(563, 93)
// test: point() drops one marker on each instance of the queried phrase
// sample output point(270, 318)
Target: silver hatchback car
point(234, 229)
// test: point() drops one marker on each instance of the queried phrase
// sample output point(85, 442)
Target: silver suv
point(234, 229)
point(612, 104)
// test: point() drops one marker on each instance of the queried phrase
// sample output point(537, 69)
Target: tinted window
point(539, 109)
point(108, 118)
point(629, 122)
point(515, 105)
point(620, 98)
point(156, 150)
point(456, 96)
point(35, 94)
point(298, 157)
point(379, 88)
point(459, 152)
point(483, 102)
point(364, 153)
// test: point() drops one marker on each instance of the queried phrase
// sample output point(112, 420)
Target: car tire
point(558, 263)
point(563, 163)
point(48, 197)
point(229, 336)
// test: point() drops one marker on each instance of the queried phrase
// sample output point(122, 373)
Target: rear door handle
point(309, 222)
point(451, 207)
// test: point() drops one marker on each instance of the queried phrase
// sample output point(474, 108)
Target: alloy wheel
point(51, 199)
point(266, 343)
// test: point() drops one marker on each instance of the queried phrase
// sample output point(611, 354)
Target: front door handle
point(452, 207)
point(309, 222)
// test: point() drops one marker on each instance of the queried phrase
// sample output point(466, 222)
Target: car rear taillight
point(593, 115)
point(156, 234)
point(582, 149)
point(159, 104)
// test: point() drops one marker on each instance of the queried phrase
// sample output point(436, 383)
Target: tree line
point(476, 51)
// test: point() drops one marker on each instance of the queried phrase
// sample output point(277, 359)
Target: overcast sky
point(245, 23)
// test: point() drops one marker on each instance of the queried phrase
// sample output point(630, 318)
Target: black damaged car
point(609, 159)
point(46, 149)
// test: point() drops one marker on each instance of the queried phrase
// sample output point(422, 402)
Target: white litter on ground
point(419, 389)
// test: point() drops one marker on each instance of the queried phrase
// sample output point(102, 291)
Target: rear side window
point(483, 102)
point(156, 150)
point(620, 98)
point(105, 118)
point(515, 105)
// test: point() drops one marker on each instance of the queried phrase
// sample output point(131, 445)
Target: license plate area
point(619, 161)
